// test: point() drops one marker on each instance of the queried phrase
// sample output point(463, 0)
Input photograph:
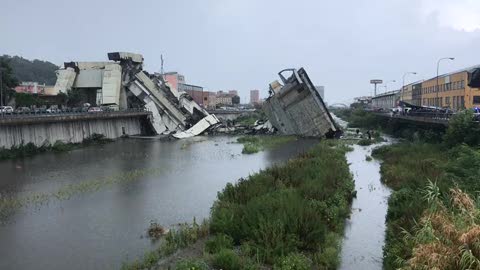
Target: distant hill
point(26, 70)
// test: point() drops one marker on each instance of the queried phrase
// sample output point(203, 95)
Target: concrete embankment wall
point(67, 131)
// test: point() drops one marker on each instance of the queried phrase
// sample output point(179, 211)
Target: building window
point(462, 102)
point(462, 84)
point(476, 99)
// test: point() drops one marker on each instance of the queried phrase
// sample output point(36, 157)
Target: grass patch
point(288, 209)
point(181, 237)
point(30, 149)
point(408, 168)
point(365, 142)
point(254, 144)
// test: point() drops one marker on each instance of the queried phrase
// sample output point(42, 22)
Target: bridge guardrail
point(67, 113)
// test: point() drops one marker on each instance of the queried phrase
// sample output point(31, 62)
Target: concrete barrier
point(43, 130)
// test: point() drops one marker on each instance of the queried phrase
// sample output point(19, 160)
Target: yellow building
point(453, 93)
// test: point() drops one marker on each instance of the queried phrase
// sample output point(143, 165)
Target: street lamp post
point(438, 67)
point(386, 85)
point(1, 87)
point(403, 83)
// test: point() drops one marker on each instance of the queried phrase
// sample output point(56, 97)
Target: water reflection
point(98, 230)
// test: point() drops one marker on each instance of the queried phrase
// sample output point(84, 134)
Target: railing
point(430, 115)
point(67, 112)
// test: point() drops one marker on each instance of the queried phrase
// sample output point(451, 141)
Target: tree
point(8, 81)
point(75, 98)
point(39, 71)
point(235, 100)
point(462, 129)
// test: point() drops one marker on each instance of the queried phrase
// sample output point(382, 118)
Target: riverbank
point(286, 216)
point(433, 214)
point(106, 218)
point(416, 171)
point(30, 149)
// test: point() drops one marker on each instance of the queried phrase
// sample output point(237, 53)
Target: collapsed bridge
point(122, 83)
point(296, 108)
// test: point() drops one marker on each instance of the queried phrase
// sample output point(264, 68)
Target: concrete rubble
point(296, 108)
point(122, 83)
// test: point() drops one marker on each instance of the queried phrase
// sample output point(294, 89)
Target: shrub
point(462, 129)
point(226, 259)
point(293, 261)
point(289, 208)
point(250, 149)
point(218, 242)
point(192, 264)
point(365, 142)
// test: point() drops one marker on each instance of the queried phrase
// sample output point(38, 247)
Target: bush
point(191, 265)
point(293, 261)
point(287, 209)
point(462, 129)
point(365, 142)
point(218, 242)
point(250, 149)
point(226, 259)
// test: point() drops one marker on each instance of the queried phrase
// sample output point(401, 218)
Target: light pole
point(1, 87)
point(386, 84)
point(403, 83)
point(438, 67)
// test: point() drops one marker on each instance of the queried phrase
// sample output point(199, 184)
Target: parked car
point(110, 108)
point(6, 109)
point(94, 109)
point(22, 110)
point(53, 110)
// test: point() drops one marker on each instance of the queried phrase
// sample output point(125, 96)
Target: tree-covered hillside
point(32, 71)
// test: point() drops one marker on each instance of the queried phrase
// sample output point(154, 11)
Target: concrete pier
point(68, 128)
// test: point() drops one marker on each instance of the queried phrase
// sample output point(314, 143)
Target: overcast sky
point(226, 44)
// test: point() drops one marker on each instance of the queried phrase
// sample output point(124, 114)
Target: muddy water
point(362, 246)
point(102, 223)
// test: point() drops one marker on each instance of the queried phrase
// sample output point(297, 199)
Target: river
point(113, 192)
point(364, 237)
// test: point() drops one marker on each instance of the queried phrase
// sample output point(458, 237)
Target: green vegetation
point(192, 265)
point(250, 118)
point(447, 235)
point(254, 144)
point(463, 130)
point(359, 118)
point(285, 217)
point(175, 239)
point(25, 70)
point(227, 259)
point(289, 209)
point(368, 158)
point(8, 79)
point(365, 142)
point(294, 261)
point(30, 149)
point(408, 168)
point(432, 220)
